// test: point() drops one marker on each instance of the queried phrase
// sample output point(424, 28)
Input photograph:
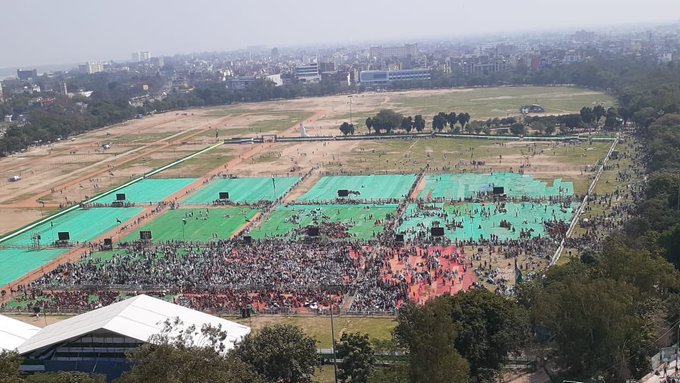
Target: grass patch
point(319, 327)
point(281, 121)
point(199, 226)
point(486, 103)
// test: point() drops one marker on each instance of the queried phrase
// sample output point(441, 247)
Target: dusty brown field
point(69, 171)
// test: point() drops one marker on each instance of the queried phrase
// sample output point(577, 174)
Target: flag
point(184, 221)
point(273, 182)
point(118, 221)
point(51, 224)
point(518, 274)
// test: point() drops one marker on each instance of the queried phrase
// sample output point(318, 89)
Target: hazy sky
point(40, 32)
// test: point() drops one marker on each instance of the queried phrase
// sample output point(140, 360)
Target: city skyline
point(78, 31)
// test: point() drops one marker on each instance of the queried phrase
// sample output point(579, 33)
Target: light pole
point(350, 108)
point(335, 359)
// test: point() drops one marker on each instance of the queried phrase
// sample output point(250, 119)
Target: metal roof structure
point(138, 317)
point(14, 332)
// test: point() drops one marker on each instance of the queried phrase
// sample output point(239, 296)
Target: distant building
point(63, 89)
point(584, 36)
point(394, 52)
point(2, 97)
point(308, 73)
point(141, 56)
point(27, 74)
point(90, 68)
point(384, 77)
point(276, 79)
point(533, 108)
point(240, 83)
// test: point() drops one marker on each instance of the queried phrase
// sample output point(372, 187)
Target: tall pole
point(335, 362)
point(350, 109)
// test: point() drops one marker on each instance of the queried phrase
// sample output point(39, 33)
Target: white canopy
point(138, 317)
point(13, 332)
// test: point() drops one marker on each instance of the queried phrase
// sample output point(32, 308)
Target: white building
point(91, 68)
point(97, 341)
point(385, 77)
point(308, 73)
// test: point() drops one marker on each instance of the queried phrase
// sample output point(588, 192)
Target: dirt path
point(416, 191)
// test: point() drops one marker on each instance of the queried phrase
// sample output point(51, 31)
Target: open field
point(69, 171)
point(480, 103)
point(243, 190)
point(199, 225)
point(364, 221)
point(371, 187)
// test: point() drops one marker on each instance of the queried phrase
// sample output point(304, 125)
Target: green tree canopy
point(280, 353)
point(356, 352)
point(386, 120)
point(429, 334)
point(490, 327)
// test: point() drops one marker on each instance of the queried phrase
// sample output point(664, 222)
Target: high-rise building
point(2, 98)
point(308, 73)
point(141, 56)
point(91, 68)
point(27, 74)
point(394, 52)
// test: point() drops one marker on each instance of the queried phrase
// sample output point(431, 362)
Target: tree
point(429, 334)
point(185, 354)
point(490, 327)
point(612, 120)
point(451, 118)
point(587, 115)
point(369, 124)
point(356, 353)
point(463, 119)
point(386, 120)
point(9, 367)
point(645, 116)
point(598, 112)
point(65, 377)
point(518, 129)
point(602, 313)
point(406, 124)
point(280, 353)
point(572, 121)
point(439, 121)
point(393, 374)
point(346, 128)
point(419, 123)
point(550, 130)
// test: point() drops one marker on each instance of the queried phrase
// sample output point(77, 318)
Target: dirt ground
point(63, 173)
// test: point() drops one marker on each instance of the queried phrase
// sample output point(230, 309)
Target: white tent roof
point(138, 317)
point(13, 332)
